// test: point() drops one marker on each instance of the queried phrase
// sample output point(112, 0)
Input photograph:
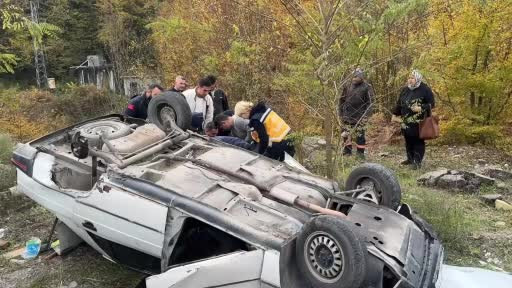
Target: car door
point(121, 221)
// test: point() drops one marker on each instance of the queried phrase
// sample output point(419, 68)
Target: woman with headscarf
point(414, 104)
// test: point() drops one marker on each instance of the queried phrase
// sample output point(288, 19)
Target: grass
point(465, 224)
point(86, 268)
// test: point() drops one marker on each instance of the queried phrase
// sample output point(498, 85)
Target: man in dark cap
point(355, 108)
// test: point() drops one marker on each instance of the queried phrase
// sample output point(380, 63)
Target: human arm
point(131, 110)
point(259, 128)
point(209, 110)
point(225, 103)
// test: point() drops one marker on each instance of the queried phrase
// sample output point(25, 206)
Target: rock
point(502, 205)
point(73, 285)
point(431, 178)
point(14, 191)
point(500, 224)
point(19, 262)
point(491, 198)
point(481, 161)
point(497, 173)
point(478, 179)
point(502, 187)
point(3, 244)
point(384, 154)
point(322, 142)
point(451, 181)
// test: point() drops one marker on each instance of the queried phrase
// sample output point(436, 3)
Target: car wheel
point(110, 128)
point(167, 107)
point(382, 186)
point(330, 254)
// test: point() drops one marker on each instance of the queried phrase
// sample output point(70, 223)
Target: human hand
point(416, 108)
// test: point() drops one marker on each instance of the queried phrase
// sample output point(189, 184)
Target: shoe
point(416, 166)
point(406, 162)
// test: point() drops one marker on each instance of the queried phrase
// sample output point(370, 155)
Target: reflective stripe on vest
point(275, 126)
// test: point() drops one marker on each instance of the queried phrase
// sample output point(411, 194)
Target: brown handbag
point(429, 127)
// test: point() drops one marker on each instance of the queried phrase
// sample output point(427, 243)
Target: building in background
point(95, 71)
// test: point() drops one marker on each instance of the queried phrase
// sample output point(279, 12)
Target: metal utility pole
point(39, 58)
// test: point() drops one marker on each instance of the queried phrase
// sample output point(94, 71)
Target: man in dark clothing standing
point(415, 102)
point(270, 132)
point(138, 106)
point(220, 102)
point(355, 108)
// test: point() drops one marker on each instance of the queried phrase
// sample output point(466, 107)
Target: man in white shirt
point(201, 103)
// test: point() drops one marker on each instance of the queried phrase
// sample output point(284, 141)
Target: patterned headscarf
point(419, 78)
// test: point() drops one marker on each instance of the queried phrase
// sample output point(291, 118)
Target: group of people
point(415, 102)
point(259, 128)
point(249, 126)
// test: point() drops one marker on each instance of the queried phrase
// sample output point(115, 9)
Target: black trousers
point(415, 148)
point(277, 150)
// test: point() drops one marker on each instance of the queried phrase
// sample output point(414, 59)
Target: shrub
point(464, 131)
point(6, 147)
point(29, 114)
point(78, 103)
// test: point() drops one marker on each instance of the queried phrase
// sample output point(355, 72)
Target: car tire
point(172, 103)
point(330, 254)
point(111, 128)
point(384, 185)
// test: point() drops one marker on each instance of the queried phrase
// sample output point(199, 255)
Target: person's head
point(414, 80)
point(224, 122)
point(243, 109)
point(213, 79)
point(210, 129)
point(358, 76)
point(180, 83)
point(205, 86)
point(155, 89)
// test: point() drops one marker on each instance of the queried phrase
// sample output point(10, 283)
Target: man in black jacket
point(355, 108)
point(220, 101)
point(138, 106)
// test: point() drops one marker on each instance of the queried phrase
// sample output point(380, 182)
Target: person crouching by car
point(138, 106)
point(270, 132)
point(200, 103)
point(238, 126)
point(415, 101)
point(211, 131)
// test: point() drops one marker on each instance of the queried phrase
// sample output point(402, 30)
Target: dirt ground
point(466, 225)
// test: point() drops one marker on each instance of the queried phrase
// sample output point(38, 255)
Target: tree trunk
point(328, 138)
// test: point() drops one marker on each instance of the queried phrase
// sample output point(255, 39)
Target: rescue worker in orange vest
point(270, 132)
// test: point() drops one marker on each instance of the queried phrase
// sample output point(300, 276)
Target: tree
point(13, 20)
point(470, 58)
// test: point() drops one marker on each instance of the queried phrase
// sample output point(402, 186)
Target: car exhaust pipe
point(277, 193)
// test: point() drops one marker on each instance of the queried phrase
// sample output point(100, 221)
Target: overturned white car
point(213, 215)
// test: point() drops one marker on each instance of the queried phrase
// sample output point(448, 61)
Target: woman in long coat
point(415, 102)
